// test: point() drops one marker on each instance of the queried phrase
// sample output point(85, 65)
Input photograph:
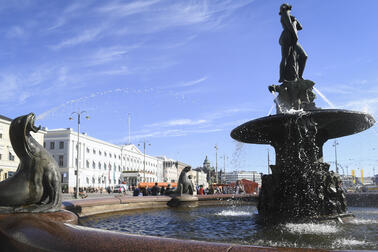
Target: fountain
point(300, 188)
point(301, 185)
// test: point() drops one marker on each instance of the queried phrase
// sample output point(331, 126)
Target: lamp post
point(79, 114)
point(216, 163)
point(334, 145)
point(144, 159)
point(224, 168)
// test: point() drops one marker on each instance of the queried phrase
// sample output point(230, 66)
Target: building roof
point(5, 118)
point(206, 161)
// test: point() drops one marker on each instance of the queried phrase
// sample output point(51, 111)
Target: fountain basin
point(237, 224)
point(331, 123)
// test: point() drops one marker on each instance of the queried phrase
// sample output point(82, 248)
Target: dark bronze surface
point(184, 185)
point(35, 187)
point(331, 123)
point(294, 57)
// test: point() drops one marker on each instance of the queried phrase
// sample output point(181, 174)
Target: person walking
point(201, 191)
point(155, 190)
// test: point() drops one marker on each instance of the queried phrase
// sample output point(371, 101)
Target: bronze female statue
point(293, 55)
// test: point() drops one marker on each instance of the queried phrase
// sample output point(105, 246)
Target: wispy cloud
point(159, 16)
point(193, 82)
point(82, 37)
point(10, 87)
point(178, 122)
point(18, 86)
point(125, 9)
point(16, 32)
point(184, 127)
point(369, 105)
point(108, 54)
point(122, 70)
point(168, 133)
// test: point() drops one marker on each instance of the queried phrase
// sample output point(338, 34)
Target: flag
point(362, 176)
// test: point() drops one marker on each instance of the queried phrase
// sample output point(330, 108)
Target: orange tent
point(160, 184)
point(249, 186)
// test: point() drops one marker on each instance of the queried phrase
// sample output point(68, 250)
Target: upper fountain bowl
point(331, 123)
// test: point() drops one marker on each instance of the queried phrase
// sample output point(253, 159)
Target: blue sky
point(188, 72)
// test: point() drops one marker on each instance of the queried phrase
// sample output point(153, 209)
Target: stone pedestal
point(184, 200)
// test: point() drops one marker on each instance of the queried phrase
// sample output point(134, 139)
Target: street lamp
point(78, 113)
point(334, 145)
point(144, 159)
point(224, 168)
point(216, 163)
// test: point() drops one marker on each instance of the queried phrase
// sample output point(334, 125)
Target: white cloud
point(123, 70)
point(366, 105)
point(177, 122)
point(9, 87)
point(16, 32)
point(83, 37)
point(192, 83)
point(126, 9)
point(183, 127)
point(109, 54)
point(156, 16)
point(169, 133)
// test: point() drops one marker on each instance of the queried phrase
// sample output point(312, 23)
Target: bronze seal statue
point(185, 185)
point(35, 187)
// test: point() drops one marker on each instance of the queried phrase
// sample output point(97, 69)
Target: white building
point(199, 178)
point(8, 158)
point(232, 177)
point(101, 164)
point(170, 171)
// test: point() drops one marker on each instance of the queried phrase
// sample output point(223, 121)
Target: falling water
point(236, 155)
point(324, 98)
point(276, 102)
point(270, 110)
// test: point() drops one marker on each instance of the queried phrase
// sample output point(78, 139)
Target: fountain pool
point(237, 224)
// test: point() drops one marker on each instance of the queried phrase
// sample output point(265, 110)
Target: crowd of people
point(212, 189)
point(236, 188)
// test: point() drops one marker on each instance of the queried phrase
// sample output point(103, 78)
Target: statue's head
point(284, 7)
point(187, 168)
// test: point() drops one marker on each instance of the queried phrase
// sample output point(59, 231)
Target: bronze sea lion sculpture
point(185, 185)
point(35, 187)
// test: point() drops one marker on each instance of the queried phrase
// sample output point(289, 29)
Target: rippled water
point(236, 224)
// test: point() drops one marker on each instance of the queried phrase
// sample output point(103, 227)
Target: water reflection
point(236, 224)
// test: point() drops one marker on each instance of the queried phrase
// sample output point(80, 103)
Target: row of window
point(138, 161)
point(10, 157)
point(109, 166)
point(52, 145)
point(105, 153)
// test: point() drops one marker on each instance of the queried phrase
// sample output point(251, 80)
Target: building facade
point(171, 169)
point(170, 173)
point(232, 177)
point(199, 178)
point(101, 164)
point(8, 158)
